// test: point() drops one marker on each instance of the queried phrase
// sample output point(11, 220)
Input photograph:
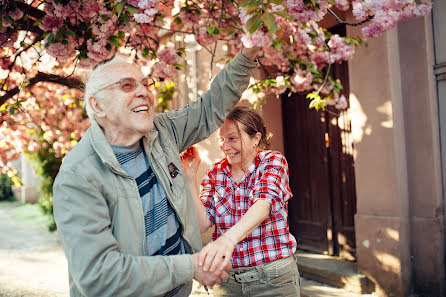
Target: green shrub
point(47, 166)
point(5, 188)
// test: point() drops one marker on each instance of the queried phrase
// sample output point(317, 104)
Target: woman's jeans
point(275, 278)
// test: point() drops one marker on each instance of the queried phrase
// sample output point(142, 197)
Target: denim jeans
point(276, 278)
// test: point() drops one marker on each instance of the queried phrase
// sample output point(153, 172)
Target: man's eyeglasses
point(129, 84)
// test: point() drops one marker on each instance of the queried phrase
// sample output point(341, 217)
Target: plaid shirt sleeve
point(207, 190)
point(273, 185)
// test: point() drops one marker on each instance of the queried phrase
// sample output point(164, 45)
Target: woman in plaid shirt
point(245, 197)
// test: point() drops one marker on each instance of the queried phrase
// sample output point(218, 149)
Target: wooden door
point(319, 151)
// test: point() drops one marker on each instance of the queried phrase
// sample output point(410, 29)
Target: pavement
point(32, 263)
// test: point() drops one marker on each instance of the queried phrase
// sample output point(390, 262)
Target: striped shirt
point(163, 231)
point(226, 202)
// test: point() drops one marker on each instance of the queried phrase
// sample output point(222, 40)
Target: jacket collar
point(103, 148)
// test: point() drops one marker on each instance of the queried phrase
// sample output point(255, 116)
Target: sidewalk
point(32, 264)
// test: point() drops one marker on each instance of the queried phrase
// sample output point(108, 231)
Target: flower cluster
point(57, 37)
point(52, 117)
point(386, 14)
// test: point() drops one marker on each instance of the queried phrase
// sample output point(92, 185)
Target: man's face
point(125, 116)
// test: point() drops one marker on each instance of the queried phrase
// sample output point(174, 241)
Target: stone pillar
point(398, 173)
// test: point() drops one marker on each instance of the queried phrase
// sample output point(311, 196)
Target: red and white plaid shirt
point(226, 202)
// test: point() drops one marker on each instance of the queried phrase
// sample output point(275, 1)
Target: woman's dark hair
point(252, 123)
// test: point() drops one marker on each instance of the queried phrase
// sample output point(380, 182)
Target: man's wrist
point(250, 53)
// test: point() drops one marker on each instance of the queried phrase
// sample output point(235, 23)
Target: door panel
point(319, 151)
point(307, 159)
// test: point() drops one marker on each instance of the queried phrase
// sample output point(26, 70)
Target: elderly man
point(124, 213)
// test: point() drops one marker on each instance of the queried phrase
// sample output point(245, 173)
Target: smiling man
point(125, 216)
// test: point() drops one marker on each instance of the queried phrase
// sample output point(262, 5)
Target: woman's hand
point(216, 254)
point(190, 159)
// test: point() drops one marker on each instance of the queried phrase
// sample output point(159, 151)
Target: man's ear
point(96, 107)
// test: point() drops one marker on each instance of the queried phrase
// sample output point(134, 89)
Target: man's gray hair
point(96, 78)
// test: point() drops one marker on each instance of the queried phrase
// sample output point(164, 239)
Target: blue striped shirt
point(163, 231)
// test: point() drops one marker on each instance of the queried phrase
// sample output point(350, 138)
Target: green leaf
point(38, 22)
point(313, 96)
point(114, 41)
point(8, 18)
point(70, 33)
point(127, 18)
point(284, 15)
point(145, 52)
point(120, 35)
point(12, 110)
point(50, 39)
point(177, 21)
point(269, 20)
point(132, 9)
point(120, 7)
point(253, 24)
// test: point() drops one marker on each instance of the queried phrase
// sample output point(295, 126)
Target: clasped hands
point(212, 262)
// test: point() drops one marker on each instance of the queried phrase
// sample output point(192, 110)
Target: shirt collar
point(226, 167)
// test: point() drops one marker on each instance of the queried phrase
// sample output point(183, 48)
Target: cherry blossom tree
point(45, 42)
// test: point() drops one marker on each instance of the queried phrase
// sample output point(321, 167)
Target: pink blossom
point(306, 13)
point(342, 4)
point(65, 11)
point(340, 50)
point(276, 58)
point(359, 11)
point(61, 51)
point(189, 18)
point(106, 28)
point(146, 17)
point(8, 41)
point(143, 4)
point(90, 8)
point(244, 16)
point(49, 23)
point(97, 50)
point(301, 81)
point(341, 103)
point(275, 7)
point(203, 37)
point(163, 70)
point(16, 15)
point(168, 55)
point(259, 38)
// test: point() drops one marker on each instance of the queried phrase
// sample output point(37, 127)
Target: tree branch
point(29, 10)
point(70, 82)
point(338, 19)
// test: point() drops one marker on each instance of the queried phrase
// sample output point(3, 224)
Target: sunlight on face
point(127, 115)
point(236, 144)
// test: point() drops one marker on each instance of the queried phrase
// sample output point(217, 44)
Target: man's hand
point(209, 278)
point(250, 53)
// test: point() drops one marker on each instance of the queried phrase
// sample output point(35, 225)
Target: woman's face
point(239, 148)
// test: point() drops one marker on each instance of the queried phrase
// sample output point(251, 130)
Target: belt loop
point(263, 276)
